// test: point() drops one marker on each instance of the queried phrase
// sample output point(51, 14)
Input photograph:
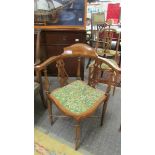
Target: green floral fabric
point(105, 66)
point(77, 96)
point(101, 52)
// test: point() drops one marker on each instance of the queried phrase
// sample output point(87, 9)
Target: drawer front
point(57, 38)
point(53, 43)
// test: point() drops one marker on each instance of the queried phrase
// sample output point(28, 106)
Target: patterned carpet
point(45, 144)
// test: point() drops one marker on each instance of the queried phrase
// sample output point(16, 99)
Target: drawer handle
point(76, 40)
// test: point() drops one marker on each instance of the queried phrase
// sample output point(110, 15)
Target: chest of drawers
point(53, 43)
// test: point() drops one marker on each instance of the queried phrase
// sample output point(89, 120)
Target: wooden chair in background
point(104, 49)
point(97, 23)
point(38, 85)
point(78, 99)
point(96, 20)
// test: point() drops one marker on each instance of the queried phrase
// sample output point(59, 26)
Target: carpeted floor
point(105, 140)
point(46, 144)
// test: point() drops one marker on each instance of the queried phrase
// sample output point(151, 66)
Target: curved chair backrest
point(105, 37)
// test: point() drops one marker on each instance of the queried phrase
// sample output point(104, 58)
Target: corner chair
point(78, 99)
point(104, 49)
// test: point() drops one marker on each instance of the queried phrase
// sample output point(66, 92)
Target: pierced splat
point(95, 75)
point(62, 74)
point(107, 39)
point(78, 69)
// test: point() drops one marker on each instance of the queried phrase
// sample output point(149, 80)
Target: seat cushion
point(77, 97)
point(101, 52)
point(104, 66)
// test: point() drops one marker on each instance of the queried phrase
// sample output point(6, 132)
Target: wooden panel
point(63, 38)
point(53, 43)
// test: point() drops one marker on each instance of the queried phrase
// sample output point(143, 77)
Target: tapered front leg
point(77, 136)
point(104, 110)
point(114, 87)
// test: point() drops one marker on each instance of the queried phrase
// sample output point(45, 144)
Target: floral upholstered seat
point(104, 66)
point(78, 97)
point(101, 52)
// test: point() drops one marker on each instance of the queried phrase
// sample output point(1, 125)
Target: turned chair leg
point(42, 97)
point(77, 135)
point(115, 82)
point(104, 110)
point(49, 104)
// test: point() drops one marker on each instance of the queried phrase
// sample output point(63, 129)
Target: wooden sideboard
point(53, 42)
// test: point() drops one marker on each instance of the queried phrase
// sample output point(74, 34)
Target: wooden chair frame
point(100, 25)
point(37, 62)
point(104, 40)
point(78, 50)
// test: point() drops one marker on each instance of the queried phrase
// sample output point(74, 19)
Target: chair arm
point(109, 63)
point(46, 63)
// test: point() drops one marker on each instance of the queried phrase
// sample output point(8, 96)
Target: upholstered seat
point(102, 52)
point(104, 66)
point(78, 97)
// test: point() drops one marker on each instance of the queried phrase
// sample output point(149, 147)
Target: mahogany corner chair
point(78, 99)
point(103, 47)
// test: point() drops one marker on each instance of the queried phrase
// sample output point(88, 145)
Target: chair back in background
point(96, 19)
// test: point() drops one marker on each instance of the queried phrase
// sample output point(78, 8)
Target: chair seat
point(104, 66)
point(78, 97)
point(101, 52)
